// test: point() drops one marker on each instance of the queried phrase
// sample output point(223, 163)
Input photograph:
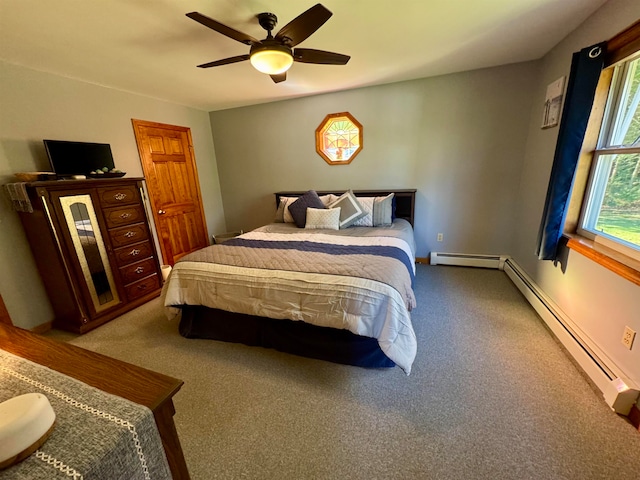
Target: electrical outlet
point(628, 337)
point(440, 237)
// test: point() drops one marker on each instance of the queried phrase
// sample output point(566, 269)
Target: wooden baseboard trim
point(634, 417)
point(42, 328)
point(424, 260)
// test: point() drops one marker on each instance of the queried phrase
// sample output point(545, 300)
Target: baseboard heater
point(594, 363)
point(468, 260)
point(598, 367)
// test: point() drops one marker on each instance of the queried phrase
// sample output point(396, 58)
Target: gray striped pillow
point(382, 208)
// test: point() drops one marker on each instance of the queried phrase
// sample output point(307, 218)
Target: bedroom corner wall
point(600, 302)
point(457, 138)
point(37, 105)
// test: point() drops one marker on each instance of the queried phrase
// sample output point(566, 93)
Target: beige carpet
point(492, 396)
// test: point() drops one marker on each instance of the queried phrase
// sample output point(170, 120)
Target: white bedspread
point(363, 306)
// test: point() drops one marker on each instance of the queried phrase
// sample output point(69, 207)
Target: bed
point(337, 294)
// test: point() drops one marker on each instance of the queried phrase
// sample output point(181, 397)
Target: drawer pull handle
point(142, 287)
point(134, 252)
point(120, 196)
point(139, 270)
point(125, 215)
point(130, 234)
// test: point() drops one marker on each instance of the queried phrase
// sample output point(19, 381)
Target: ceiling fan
point(274, 55)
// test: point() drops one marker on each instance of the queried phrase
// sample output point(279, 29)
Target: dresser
point(93, 247)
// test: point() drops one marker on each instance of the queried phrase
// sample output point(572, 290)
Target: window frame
point(325, 151)
point(611, 254)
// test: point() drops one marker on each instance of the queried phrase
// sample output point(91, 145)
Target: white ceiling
point(150, 47)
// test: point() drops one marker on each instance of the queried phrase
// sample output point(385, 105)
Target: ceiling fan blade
point(281, 77)
point(223, 29)
point(305, 24)
point(310, 55)
point(225, 61)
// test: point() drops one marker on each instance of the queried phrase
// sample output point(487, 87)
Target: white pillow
point(378, 211)
point(327, 199)
point(367, 207)
point(323, 218)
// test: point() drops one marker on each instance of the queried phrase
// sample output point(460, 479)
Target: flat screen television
point(77, 158)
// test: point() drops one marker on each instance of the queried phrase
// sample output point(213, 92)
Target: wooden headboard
point(405, 199)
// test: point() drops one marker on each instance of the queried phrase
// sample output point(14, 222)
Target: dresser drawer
point(128, 235)
point(126, 215)
point(142, 287)
point(133, 253)
point(120, 195)
point(136, 271)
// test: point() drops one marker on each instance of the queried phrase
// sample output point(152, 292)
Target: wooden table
point(144, 387)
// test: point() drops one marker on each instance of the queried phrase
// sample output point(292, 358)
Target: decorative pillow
point(378, 211)
point(382, 211)
point(350, 209)
point(327, 199)
point(318, 218)
point(367, 207)
point(298, 208)
point(282, 214)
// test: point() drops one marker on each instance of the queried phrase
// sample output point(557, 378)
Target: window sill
point(618, 263)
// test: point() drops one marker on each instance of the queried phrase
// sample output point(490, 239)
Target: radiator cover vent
point(468, 260)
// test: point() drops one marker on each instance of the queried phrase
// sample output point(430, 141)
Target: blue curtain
point(586, 67)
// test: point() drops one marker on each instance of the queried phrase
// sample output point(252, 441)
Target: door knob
point(161, 212)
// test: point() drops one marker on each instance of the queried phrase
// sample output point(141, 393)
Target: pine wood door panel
point(167, 159)
point(181, 238)
point(173, 178)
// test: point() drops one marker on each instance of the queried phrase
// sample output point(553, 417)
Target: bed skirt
point(298, 338)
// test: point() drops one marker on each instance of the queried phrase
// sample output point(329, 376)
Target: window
point(339, 138)
point(611, 210)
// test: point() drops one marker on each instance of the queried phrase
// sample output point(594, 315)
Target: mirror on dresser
point(90, 250)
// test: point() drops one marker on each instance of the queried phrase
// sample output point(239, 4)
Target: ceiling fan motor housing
point(267, 21)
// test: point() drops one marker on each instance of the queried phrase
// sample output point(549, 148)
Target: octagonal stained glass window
point(339, 138)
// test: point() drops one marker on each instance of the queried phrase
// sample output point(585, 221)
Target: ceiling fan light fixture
point(274, 55)
point(272, 59)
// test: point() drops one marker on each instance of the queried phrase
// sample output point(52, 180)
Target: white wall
point(36, 105)
point(599, 301)
point(459, 139)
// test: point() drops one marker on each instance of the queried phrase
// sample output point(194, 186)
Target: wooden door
point(169, 166)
